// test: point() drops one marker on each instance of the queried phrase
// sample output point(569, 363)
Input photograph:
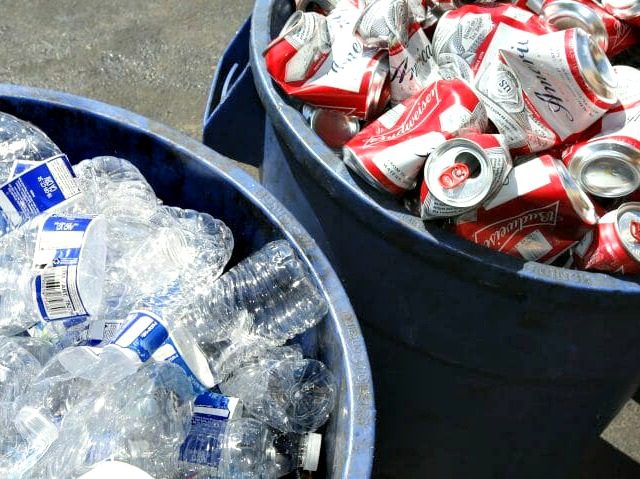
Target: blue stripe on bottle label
point(143, 333)
point(169, 353)
point(20, 166)
point(37, 190)
point(211, 413)
point(56, 257)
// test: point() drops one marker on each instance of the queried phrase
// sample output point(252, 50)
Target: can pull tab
point(454, 175)
point(635, 230)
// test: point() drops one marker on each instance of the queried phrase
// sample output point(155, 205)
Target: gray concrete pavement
point(157, 57)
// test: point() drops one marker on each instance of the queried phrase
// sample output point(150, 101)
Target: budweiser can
point(627, 10)
point(547, 89)
point(608, 163)
point(351, 79)
point(412, 66)
point(302, 46)
point(533, 5)
point(615, 245)
point(333, 127)
point(383, 23)
point(461, 174)
point(466, 36)
point(537, 215)
point(611, 34)
point(390, 152)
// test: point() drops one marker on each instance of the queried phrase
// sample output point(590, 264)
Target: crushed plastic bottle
point(290, 395)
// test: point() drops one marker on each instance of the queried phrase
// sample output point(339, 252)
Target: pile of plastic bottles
point(123, 346)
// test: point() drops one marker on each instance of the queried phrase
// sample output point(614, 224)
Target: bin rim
point(358, 379)
point(322, 164)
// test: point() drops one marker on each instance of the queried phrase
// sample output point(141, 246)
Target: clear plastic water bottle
point(251, 450)
point(140, 421)
point(21, 144)
point(18, 367)
point(290, 395)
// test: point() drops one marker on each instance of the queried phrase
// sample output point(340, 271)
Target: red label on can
point(454, 176)
point(635, 230)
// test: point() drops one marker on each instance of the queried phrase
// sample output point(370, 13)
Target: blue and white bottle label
point(20, 166)
point(169, 352)
point(211, 413)
point(57, 254)
point(143, 333)
point(37, 190)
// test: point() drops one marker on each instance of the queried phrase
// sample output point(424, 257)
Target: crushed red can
point(468, 35)
point(537, 215)
point(627, 10)
point(612, 34)
point(615, 245)
point(349, 78)
point(462, 173)
point(390, 152)
point(607, 163)
point(547, 89)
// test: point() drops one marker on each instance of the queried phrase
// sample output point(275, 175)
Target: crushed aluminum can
point(468, 35)
point(627, 10)
point(390, 152)
point(333, 127)
point(533, 5)
point(615, 245)
point(412, 66)
point(300, 49)
point(461, 174)
point(351, 79)
point(547, 89)
point(607, 163)
point(613, 35)
point(383, 23)
point(537, 215)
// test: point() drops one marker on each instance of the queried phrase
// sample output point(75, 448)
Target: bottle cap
point(111, 469)
point(311, 455)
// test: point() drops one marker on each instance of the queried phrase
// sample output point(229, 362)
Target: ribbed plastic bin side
point(484, 365)
point(185, 173)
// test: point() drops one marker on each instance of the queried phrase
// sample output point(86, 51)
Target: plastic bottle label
point(37, 190)
point(211, 413)
point(20, 166)
point(168, 352)
point(58, 246)
point(143, 333)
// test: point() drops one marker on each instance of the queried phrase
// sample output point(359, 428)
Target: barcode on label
point(55, 293)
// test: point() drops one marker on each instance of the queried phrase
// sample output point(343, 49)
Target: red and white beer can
point(539, 213)
point(302, 46)
point(351, 79)
point(462, 173)
point(607, 163)
point(612, 34)
point(464, 37)
point(615, 245)
point(547, 90)
point(390, 152)
point(627, 10)
point(333, 127)
point(319, 6)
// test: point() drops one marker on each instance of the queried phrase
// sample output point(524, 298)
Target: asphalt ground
point(157, 58)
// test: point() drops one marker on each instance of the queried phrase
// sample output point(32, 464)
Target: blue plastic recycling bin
point(185, 173)
point(484, 365)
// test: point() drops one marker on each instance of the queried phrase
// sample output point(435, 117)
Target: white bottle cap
point(111, 469)
point(311, 455)
point(79, 360)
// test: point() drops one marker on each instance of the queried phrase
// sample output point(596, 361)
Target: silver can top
point(459, 173)
point(581, 203)
point(608, 169)
point(565, 14)
point(594, 66)
point(628, 228)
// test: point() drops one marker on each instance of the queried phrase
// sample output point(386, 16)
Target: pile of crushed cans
point(506, 122)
